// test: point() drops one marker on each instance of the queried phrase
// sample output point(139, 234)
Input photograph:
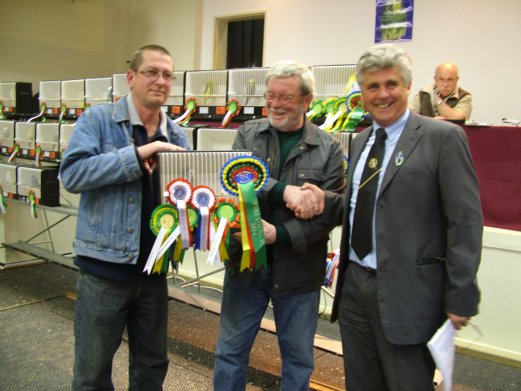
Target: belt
point(366, 268)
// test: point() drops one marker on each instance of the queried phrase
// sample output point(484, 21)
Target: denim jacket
point(100, 162)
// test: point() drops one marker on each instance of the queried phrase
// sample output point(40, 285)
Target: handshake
point(305, 202)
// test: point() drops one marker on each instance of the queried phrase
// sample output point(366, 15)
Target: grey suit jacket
point(428, 230)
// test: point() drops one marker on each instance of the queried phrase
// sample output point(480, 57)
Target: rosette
point(226, 213)
point(203, 199)
point(242, 170)
point(233, 108)
point(316, 109)
point(164, 224)
point(190, 107)
point(180, 193)
point(244, 176)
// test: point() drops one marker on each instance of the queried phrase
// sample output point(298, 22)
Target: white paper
point(442, 349)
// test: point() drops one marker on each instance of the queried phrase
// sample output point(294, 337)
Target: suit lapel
point(406, 143)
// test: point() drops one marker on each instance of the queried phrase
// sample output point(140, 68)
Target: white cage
point(98, 91)
point(6, 135)
point(73, 93)
point(25, 136)
point(65, 134)
point(198, 167)
point(209, 139)
point(119, 86)
point(8, 179)
point(332, 80)
point(207, 87)
point(50, 96)
point(47, 137)
point(8, 94)
point(247, 86)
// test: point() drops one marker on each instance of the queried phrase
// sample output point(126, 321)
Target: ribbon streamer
point(233, 109)
point(190, 107)
point(32, 201)
point(331, 266)
point(179, 194)
point(203, 199)
point(244, 176)
point(16, 151)
point(164, 224)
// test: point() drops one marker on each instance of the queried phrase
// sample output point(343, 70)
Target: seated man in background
point(444, 99)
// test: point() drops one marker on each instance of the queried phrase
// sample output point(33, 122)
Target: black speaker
point(25, 102)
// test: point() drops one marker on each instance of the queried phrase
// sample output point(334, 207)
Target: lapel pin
point(399, 158)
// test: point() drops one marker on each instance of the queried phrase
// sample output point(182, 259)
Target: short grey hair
point(384, 56)
point(290, 68)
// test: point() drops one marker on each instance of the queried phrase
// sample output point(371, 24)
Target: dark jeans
point(103, 309)
point(296, 317)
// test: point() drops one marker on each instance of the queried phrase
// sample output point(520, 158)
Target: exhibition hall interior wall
point(76, 39)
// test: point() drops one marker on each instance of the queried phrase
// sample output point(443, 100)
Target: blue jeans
point(103, 308)
point(296, 317)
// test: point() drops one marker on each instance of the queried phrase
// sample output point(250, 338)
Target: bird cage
point(25, 139)
point(198, 167)
point(332, 80)
point(247, 86)
point(6, 136)
point(8, 179)
point(41, 182)
point(208, 88)
point(175, 101)
point(73, 98)
point(47, 139)
point(98, 91)
point(119, 86)
point(65, 135)
point(49, 99)
point(190, 134)
point(209, 139)
point(16, 98)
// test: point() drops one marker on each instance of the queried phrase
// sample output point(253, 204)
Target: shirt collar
point(396, 128)
point(135, 119)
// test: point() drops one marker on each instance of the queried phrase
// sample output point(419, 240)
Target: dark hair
point(137, 57)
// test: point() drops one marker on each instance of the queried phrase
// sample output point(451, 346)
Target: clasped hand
point(305, 202)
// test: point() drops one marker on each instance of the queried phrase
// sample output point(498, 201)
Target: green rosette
point(226, 210)
point(163, 216)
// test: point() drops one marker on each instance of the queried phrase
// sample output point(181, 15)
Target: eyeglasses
point(153, 74)
point(284, 98)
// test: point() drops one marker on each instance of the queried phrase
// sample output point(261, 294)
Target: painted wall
point(473, 34)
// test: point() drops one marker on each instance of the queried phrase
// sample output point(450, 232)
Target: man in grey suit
point(415, 264)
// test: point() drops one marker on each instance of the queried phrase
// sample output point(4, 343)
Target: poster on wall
point(393, 20)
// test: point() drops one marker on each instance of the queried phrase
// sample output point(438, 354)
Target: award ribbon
point(233, 109)
point(316, 109)
point(179, 194)
point(164, 224)
point(32, 201)
point(3, 205)
point(331, 266)
point(190, 107)
point(16, 151)
point(203, 199)
point(330, 110)
point(227, 212)
point(244, 176)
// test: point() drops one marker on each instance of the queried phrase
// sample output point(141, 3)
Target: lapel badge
point(399, 158)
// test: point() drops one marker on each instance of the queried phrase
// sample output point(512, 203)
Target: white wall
point(476, 35)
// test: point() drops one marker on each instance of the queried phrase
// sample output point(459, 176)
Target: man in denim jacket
point(110, 161)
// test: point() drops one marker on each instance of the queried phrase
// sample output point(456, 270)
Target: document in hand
point(442, 349)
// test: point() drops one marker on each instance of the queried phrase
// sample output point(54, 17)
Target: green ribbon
point(254, 228)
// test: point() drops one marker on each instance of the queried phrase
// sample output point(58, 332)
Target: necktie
point(361, 234)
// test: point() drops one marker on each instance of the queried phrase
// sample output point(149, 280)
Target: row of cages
point(27, 183)
point(22, 174)
point(209, 95)
point(47, 141)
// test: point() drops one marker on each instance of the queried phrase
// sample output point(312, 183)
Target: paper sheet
point(442, 349)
